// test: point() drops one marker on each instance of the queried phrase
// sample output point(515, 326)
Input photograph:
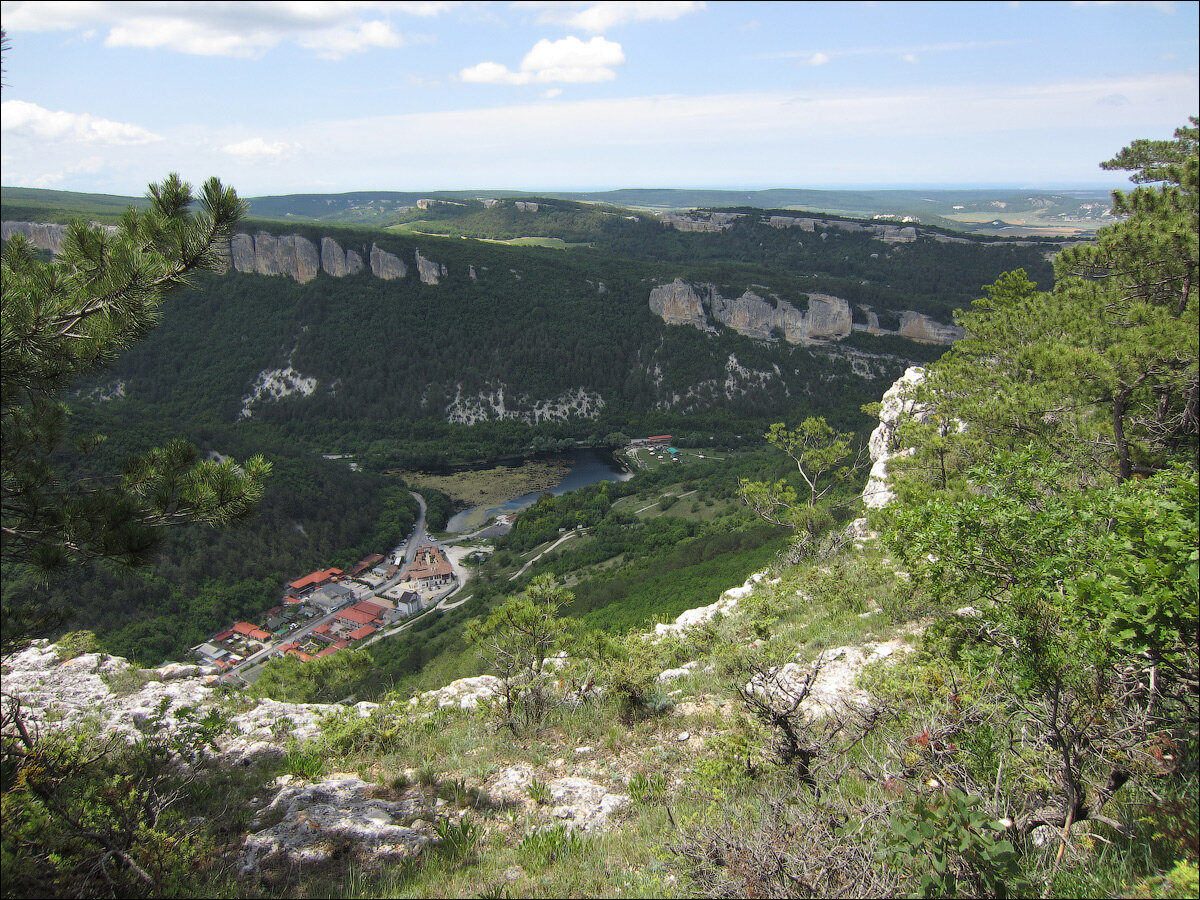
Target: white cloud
point(597, 17)
point(909, 58)
point(339, 42)
point(568, 60)
point(817, 59)
point(257, 150)
point(551, 93)
point(238, 29)
point(17, 117)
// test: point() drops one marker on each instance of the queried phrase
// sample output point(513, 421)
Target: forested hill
point(465, 350)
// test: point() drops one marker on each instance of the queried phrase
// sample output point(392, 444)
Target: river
point(588, 467)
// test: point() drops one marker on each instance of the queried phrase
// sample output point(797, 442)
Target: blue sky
point(328, 97)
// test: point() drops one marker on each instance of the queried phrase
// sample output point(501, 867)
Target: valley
point(374, 357)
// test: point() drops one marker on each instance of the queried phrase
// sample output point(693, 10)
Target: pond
point(587, 467)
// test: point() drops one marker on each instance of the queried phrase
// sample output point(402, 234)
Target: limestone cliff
point(827, 318)
point(266, 254)
point(919, 327)
point(897, 403)
point(702, 306)
point(428, 270)
point(338, 262)
point(386, 265)
point(43, 236)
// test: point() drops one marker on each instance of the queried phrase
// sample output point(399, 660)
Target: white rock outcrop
point(836, 682)
point(497, 404)
point(428, 270)
point(55, 694)
point(313, 822)
point(387, 266)
point(274, 385)
point(898, 402)
point(703, 307)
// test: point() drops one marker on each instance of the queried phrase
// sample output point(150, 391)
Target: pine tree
point(1103, 369)
point(70, 315)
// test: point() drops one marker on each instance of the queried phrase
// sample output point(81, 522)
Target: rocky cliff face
point(42, 236)
point(702, 306)
point(263, 253)
point(338, 262)
point(428, 270)
point(898, 402)
point(386, 265)
point(266, 254)
point(827, 318)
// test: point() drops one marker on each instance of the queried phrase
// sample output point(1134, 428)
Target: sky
point(330, 97)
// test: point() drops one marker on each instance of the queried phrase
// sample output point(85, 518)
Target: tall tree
point(1103, 369)
point(70, 315)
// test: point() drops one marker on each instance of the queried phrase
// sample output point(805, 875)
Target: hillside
point(402, 351)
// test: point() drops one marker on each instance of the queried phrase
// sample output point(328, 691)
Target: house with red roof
point(359, 633)
point(251, 631)
point(357, 616)
point(314, 580)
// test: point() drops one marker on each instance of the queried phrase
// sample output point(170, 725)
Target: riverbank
point(494, 486)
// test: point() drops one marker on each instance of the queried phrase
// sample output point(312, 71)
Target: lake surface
point(588, 467)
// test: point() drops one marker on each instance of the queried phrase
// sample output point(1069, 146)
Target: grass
point(491, 487)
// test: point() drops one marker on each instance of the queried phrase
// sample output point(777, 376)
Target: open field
point(491, 487)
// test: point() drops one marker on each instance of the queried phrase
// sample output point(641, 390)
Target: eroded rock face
point(241, 251)
point(919, 327)
point(386, 265)
point(428, 270)
point(679, 303)
point(701, 221)
point(266, 254)
point(498, 404)
point(48, 236)
point(898, 402)
point(827, 318)
point(333, 258)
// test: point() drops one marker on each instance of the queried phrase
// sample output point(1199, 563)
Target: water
point(589, 467)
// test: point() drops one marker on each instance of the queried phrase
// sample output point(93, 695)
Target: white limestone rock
point(386, 265)
point(898, 402)
point(316, 821)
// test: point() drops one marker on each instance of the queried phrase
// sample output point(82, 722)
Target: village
point(331, 609)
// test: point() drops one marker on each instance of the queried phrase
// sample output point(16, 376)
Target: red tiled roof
point(370, 608)
point(251, 631)
point(338, 645)
point(322, 629)
point(304, 657)
point(356, 616)
point(314, 579)
point(359, 633)
point(292, 600)
point(328, 651)
point(224, 635)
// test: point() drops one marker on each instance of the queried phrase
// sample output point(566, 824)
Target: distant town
point(329, 609)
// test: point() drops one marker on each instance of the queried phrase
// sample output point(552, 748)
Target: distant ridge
point(1006, 212)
